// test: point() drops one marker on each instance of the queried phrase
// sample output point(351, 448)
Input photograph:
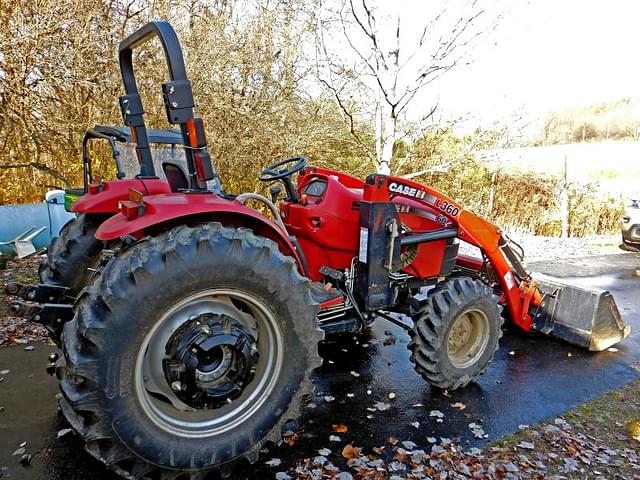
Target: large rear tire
point(72, 255)
point(133, 390)
point(456, 333)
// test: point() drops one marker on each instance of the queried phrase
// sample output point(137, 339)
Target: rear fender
point(110, 193)
point(163, 212)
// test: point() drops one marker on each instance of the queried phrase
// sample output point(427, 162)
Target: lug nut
point(176, 386)
point(53, 357)
point(206, 330)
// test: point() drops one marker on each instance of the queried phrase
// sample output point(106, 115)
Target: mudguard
point(109, 194)
point(161, 212)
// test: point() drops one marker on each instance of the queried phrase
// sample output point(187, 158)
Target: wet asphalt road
point(531, 379)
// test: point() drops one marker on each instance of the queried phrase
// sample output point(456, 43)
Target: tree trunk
point(389, 139)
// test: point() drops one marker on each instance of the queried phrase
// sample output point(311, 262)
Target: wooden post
point(492, 193)
point(564, 202)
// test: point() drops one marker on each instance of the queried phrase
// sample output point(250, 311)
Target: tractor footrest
point(41, 293)
point(52, 316)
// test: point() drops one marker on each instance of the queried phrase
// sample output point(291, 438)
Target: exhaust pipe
point(585, 317)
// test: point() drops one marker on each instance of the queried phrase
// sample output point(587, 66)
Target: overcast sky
point(549, 55)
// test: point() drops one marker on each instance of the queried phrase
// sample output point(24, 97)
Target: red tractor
point(194, 342)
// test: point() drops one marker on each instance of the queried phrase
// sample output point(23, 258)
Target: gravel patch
point(554, 248)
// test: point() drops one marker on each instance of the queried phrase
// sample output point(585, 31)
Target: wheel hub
point(468, 338)
point(210, 359)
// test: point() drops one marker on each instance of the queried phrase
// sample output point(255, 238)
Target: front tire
point(456, 333)
point(188, 352)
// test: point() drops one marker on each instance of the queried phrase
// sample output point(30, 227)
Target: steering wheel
point(275, 172)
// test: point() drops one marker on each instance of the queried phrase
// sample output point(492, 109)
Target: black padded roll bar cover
point(170, 43)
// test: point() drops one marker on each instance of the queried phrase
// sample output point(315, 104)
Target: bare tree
point(393, 55)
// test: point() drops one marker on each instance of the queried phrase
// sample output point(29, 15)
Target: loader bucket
point(585, 317)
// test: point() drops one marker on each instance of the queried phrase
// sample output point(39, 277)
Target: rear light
point(198, 142)
point(131, 210)
point(96, 186)
point(197, 136)
point(203, 165)
point(134, 207)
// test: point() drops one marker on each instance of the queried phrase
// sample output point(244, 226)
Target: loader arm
point(585, 317)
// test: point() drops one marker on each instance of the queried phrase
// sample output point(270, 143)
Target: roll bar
point(95, 132)
point(178, 101)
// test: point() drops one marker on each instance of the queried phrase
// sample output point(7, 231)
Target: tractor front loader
point(194, 341)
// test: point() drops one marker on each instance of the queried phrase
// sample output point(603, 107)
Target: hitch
point(39, 293)
point(52, 316)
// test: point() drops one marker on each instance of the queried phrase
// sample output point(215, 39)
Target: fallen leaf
point(436, 413)
point(329, 398)
point(634, 430)
point(291, 439)
point(415, 424)
point(409, 445)
point(459, 405)
point(382, 406)
point(274, 462)
point(526, 445)
point(349, 451)
point(340, 428)
point(334, 438)
point(63, 432)
point(402, 456)
point(355, 374)
point(325, 452)
point(392, 440)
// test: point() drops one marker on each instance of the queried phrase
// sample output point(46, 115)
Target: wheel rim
point(156, 395)
point(468, 338)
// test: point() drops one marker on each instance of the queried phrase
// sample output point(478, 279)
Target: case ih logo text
point(406, 190)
